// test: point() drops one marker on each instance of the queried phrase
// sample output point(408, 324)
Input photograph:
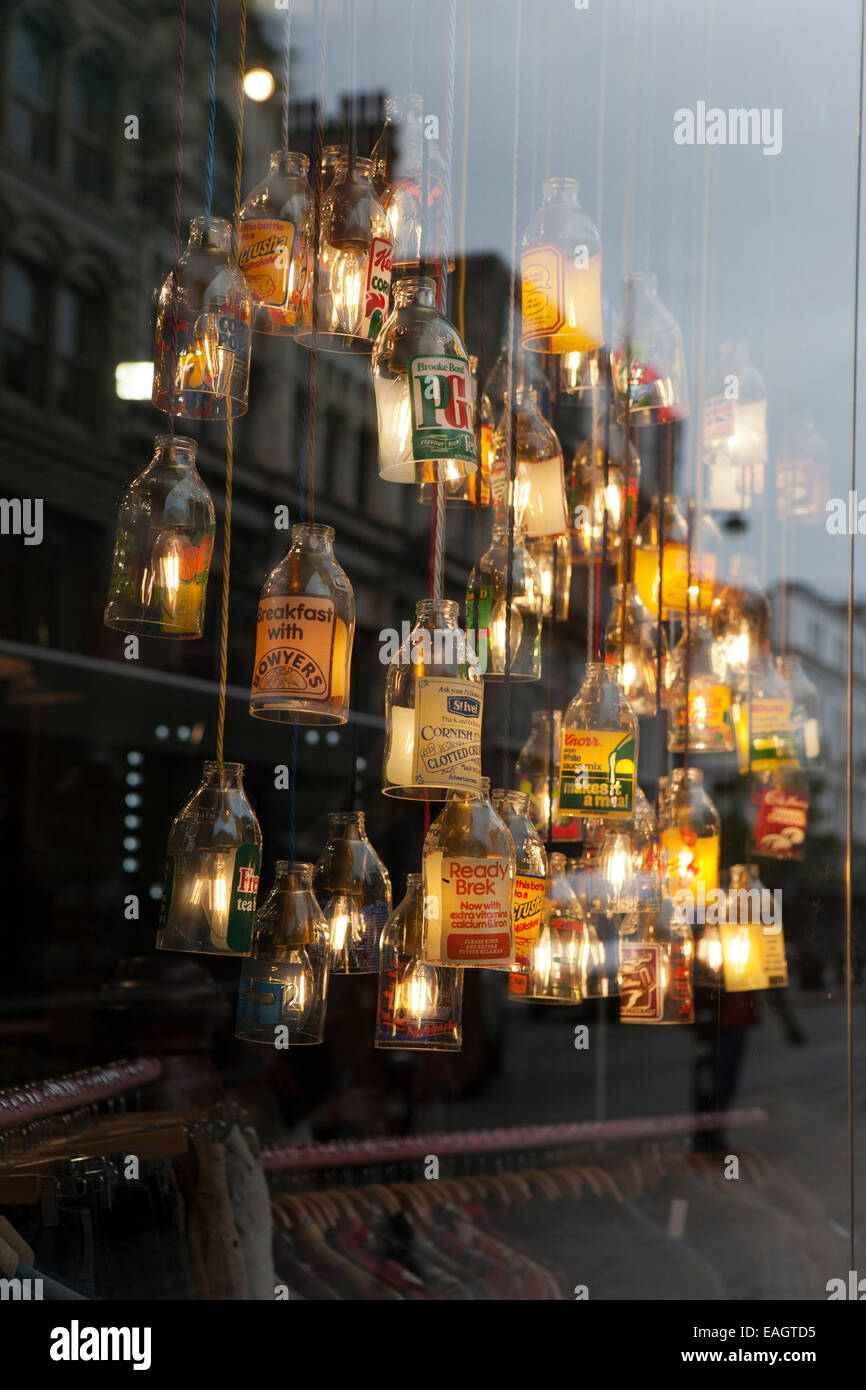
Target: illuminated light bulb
point(354, 892)
point(617, 870)
point(210, 892)
point(631, 649)
point(394, 412)
point(348, 278)
point(259, 84)
point(419, 1005)
point(709, 956)
point(499, 632)
point(417, 995)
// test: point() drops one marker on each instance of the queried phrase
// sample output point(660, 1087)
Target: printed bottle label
point(542, 272)
point(752, 958)
point(690, 859)
point(377, 291)
point(479, 622)
point(597, 773)
point(467, 910)
point(271, 994)
point(640, 993)
point(417, 1004)
point(245, 887)
point(710, 713)
point(781, 820)
point(265, 257)
point(528, 903)
point(766, 736)
point(447, 752)
point(294, 646)
point(440, 396)
point(675, 584)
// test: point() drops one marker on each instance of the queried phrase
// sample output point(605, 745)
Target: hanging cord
point(849, 735)
point(227, 519)
point(211, 125)
point(550, 740)
point(309, 499)
point(687, 662)
point(178, 193)
point(510, 414)
point(602, 574)
point(287, 67)
point(352, 27)
point(439, 487)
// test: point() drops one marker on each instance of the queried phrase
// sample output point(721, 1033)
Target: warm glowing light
point(259, 84)
point(348, 278)
point(133, 381)
point(417, 996)
point(211, 892)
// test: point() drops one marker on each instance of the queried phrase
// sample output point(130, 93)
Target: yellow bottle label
point(709, 711)
point(467, 910)
point(447, 749)
point(675, 570)
point(528, 903)
point(765, 733)
point(691, 859)
point(265, 257)
point(295, 641)
point(597, 776)
point(561, 299)
point(752, 958)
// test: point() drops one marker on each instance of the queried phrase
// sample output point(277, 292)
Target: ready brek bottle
point(469, 871)
point(598, 762)
point(530, 878)
point(306, 623)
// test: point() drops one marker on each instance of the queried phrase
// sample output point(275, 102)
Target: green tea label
point(597, 775)
point(440, 396)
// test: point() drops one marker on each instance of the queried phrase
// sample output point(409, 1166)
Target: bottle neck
point(346, 825)
point(225, 776)
point(309, 536)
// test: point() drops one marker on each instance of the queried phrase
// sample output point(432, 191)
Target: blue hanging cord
point(211, 130)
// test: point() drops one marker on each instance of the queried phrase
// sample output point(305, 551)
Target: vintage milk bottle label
point(528, 902)
point(294, 646)
point(265, 257)
point(447, 750)
point(440, 396)
point(542, 272)
point(597, 774)
point(377, 290)
point(467, 910)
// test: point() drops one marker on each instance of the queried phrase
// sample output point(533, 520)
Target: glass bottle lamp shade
point(691, 836)
point(424, 392)
point(434, 701)
point(735, 430)
point(560, 268)
point(212, 868)
point(532, 771)
point(537, 492)
point(688, 582)
point(354, 892)
point(353, 275)
point(648, 362)
point(275, 248)
point(305, 630)
point(469, 869)
point(656, 965)
point(203, 318)
point(600, 511)
point(415, 195)
point(631, 649)
point(420, 1005)
point(598, 762)
point(530, 877)
point(163, 545)
point(698, 694)
point(552, 555)
point(472, 489)
point(507, 639)
point(806, 711)
point(740, 618)
point(283, 992)
point(554, 972)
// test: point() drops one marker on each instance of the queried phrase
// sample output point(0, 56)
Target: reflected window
point(81, 333)
point(91, 123)
point(25, 328)
point(35, 83)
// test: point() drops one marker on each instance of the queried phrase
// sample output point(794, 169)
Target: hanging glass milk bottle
point(560, 268)
point(506, 638)
point(529, 882)
point(656, 961)
point(469, 866)
point(648, 361)
point(305, 629)
point(354, 892)
point(163, 546)
point(424, 393)
point(283, 991)
point(203, 317)
point(598, 762)
point(420, 1006)
point(212, 868)
point(275, 245)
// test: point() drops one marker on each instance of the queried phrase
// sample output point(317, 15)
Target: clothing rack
point(23, 1105)
point(465, 1143)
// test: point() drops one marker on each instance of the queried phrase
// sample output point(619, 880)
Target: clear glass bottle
point(601, 513)
point(352, 283)
point(560, 269)
point(631, 648)
point(212, 868)
point(803, 471)
point(469, 870)
point(763, 714)
point(203, 317)
point(275, 245)
point(557, 958)
point(416, 191)
point(752, 935)
point(734, 443)
point(740, 618)
point(806, 712)
point(305, 630)
point(472, 489)
point(598, 763)
point(512, 807)
point(353, 889)
point(506, 640)
point(648, 361)
point(163, 546)
point(420, 1005)
point(434, 701)
point(691, 837)
point(552, 555)
point(678, 593)
point(538, 493)
point(283, 992)
point(698, 694)
point(656, 964)
point(424, 392)
point(532, 771)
